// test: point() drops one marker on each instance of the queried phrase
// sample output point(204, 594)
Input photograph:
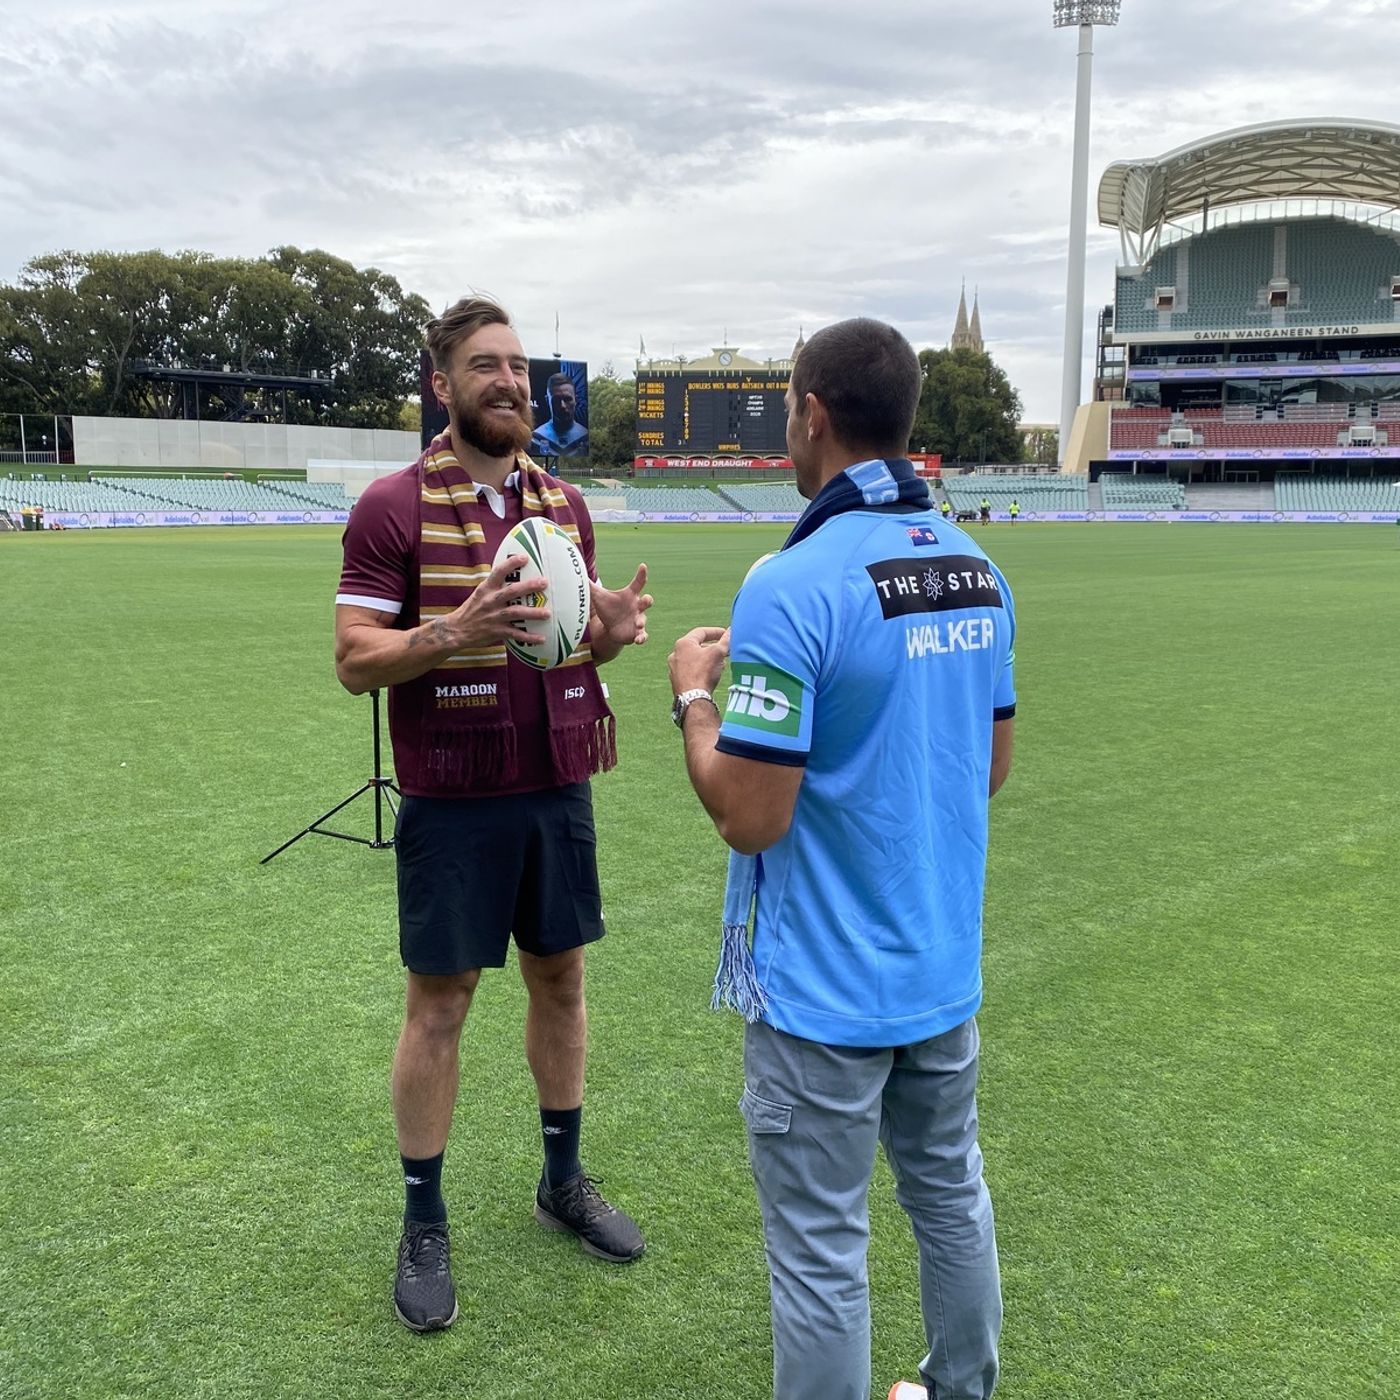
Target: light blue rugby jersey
point(877, 653)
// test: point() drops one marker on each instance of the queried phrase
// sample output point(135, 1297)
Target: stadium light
point(1083, 14)
point(1069, 13)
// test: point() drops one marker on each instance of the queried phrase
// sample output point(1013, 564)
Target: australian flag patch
point(921, 534)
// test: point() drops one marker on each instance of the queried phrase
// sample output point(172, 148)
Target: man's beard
point(491, 436)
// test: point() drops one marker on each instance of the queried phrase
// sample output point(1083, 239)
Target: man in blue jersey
point(561, 434)
point(869, 719)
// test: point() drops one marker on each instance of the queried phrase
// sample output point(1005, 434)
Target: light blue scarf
point(891, 485)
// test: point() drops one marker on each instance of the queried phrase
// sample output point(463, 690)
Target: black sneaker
point(577, 1207)
point(423, 1294)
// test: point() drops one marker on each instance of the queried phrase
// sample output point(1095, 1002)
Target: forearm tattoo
point(434, 633)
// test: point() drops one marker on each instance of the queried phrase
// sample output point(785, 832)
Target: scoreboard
point(712, 411)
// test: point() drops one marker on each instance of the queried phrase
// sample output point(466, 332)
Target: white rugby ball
point(554, 558)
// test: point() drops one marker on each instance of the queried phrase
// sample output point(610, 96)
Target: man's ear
point(441, 388)
point(818, 420)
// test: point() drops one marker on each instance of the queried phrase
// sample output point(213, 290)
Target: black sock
point(422, 1182)
point(561, 1132)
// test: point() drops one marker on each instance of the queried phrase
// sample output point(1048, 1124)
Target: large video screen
point(703, 411)
point(559, 401)
point(558, 405)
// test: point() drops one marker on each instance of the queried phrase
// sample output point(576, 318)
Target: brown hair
point(868, 377)
point(458, 323)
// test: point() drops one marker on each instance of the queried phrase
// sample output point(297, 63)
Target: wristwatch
point(684, 701)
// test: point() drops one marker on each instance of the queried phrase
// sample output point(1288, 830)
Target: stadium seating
point(78, 497)
point(319, 495)
point(1339, 272)
point(1148, 429)
point(1121, 491)
point(671, 499)
point(1297, 491)
point(1041, 492)
point(764, 496)
point(211, 494)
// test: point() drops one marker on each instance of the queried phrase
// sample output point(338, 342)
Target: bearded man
point(495, 836)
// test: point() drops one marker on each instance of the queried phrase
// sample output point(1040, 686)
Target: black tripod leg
point(314, 827)
point(381, 787)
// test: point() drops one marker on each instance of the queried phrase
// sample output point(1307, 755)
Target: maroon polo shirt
point(381, 571)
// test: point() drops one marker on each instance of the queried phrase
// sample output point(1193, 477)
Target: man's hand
point(371, 652)
point(619, 616)
point(750, 802)
point(489, 615)
point(698, 660)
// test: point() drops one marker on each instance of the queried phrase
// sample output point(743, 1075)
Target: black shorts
point(473, 871)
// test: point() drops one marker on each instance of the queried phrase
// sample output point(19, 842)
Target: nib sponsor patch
point(954, 581)
point(766, 699)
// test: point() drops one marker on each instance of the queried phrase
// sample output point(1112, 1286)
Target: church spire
point(965, 336)
point(960, 331)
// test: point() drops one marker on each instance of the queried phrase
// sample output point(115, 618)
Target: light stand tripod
point(384, 792)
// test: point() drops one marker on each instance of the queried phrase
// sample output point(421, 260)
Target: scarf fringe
point(582, 750)
point(484, 755)
point(736, 980)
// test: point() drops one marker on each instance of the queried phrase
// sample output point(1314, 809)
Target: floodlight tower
point(1083, 14)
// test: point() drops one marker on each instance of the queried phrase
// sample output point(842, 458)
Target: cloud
point(640, 167)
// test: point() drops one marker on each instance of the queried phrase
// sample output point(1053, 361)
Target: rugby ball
point(555, 559)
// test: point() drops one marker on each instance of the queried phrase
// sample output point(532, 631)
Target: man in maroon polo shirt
point(495, 835)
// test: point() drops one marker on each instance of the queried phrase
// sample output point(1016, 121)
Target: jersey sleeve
point(776, 654)
point(378, 550)
point(1004, 692)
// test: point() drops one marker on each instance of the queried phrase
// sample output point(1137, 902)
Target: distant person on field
point(869, 718)
point(560, 435)
point(944, 509)
point(985, 511)
point(495, 835)
point(1014, 509)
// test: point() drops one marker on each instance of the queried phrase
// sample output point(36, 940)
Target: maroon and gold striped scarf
point(469, 740)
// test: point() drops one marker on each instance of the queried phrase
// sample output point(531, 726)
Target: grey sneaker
point(578, 1208)
point(424, 1297)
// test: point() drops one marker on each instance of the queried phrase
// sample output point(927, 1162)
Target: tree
point(1042, 445)
point(967, 408)
point(612, 420)
point(45, 350)
point(75, 325)
point(365, 331)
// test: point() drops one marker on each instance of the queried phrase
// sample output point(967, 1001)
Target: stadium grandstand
point(67, 495)
point(211, 494)
point(156, 493)
point(1254, 334)
point(1033, 493)
point(765, 496)
point(1122, 491)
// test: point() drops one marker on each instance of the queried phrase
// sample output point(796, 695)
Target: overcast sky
point(662, 169)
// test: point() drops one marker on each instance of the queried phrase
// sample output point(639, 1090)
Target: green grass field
point(1191, 1067)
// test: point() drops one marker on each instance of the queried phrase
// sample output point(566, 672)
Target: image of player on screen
point(564, 433)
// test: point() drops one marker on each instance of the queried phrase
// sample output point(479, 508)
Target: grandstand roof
point(1328, 158)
